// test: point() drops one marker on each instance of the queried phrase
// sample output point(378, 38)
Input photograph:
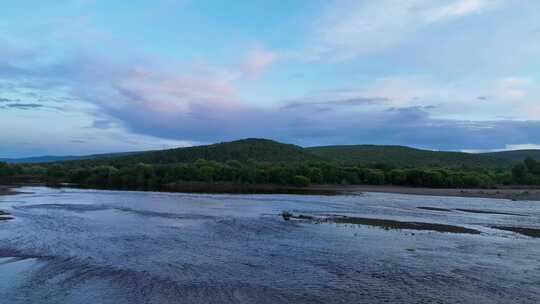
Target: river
point(91, 246)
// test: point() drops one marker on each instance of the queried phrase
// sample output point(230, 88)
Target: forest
point(265, 162)
point(142, 176)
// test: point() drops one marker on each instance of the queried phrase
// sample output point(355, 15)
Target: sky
point(95, 76)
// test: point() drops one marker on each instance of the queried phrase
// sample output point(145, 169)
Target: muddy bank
point(5, 216)
point(515, 194)
point(488, 212)
point(217, 188)
point(435, 209)
point(477, 211)
point(382, 223)
point(532, 232)
point(5, 190)
point(238, 188)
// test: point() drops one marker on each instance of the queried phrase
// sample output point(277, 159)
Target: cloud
point(337, 103)
point(23, 106)
point(197, 104)
point(77, 141)
point(258, 60)
point(460, 8)
point(511, 147)
point(102, 124)
point(516, 81)
point(358, 28)
point(16, 51)
point(513, 87)
point(181, 107)
point(9, 100)
point(523, 147)
point(455, 38)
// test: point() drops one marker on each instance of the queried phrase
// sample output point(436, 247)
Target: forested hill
point(517, 155)
point(261, 150)
point(264, 150)
point(266, 162)
point(401, 156)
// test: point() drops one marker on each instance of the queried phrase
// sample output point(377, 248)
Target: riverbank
point(4, 190)
point(238, 188)
point(5, 216)
point(516, 194)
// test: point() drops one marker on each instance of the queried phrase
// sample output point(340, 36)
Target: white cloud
point(516, 81)
point(513, 94)
point(512, 147)
point(513, 88)
point(354, 28)
point(365, 27)
point(522, 147)
point(459, 8)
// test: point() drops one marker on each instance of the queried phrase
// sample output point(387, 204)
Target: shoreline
point(5, 190)
point(514, 194)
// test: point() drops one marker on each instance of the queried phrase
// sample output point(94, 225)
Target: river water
point(89, 246)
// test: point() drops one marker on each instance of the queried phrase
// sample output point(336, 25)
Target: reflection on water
point(85, 246)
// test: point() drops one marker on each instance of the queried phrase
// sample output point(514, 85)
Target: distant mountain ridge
point(54, 158)
point(516, 155)
point(41, 159)
point(265, 150)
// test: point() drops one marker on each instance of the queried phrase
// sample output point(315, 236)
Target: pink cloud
point(258, 60)
point(153, 90)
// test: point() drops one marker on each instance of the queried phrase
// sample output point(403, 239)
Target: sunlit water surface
point(86, 246)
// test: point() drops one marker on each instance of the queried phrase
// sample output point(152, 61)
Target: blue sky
point(95, 76)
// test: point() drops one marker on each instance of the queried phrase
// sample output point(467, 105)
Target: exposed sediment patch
point(82, 208)
point(488, 212)
point(532, 232)
point(478, 211)
point(66, 207)
point(383, 223)
point(5, 216)
point(435, 209)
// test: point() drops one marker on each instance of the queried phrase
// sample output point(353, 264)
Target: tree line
point(142, 176)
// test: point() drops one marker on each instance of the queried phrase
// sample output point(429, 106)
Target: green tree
point(207, 173)
point(519, 172)
point(532, 165)
point(6, 172)
point(316, 175)
point(300, 181)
